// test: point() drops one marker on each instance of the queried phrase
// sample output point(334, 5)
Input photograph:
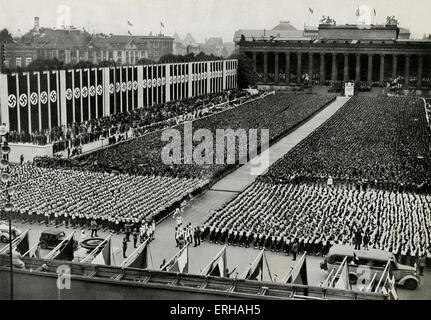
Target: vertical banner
point(54, 99)
point(70, 100)
point(85, 99)
point(11, 89)
point(124, 106)
point(33, 102)
point(112, 90)
point(45, 110)
point(168, 93)
point(77, 95)
point(150, 85)
point(140, 91)
point(23, 102)
point(92, 95)
point(145, 86)
point(118, 95)
point(100, 91)
point(174, 81)
point(135, 86)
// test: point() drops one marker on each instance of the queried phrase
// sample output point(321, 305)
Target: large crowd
point(78, 133)
point(278, 113)
point(365, 174)
point(112, 200)
point(382, 142)
point(317, 216)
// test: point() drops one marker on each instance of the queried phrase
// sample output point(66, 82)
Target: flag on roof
point(162, 25)
point(311, 10)
point(129, 23)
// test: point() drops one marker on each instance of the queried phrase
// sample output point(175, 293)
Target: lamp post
point(5, 178)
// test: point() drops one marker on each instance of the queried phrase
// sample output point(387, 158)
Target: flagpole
point(175, 255)
point(258, 256)
point(216, 257)
point(338, 271)
point(126, 262)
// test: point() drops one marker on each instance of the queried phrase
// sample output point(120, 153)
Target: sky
point(203, 18)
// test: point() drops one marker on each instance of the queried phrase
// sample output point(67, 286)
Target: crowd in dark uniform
point(75, 198)
point(142, 156)
point(316, 216)
point(380, 142)
point(357, 180)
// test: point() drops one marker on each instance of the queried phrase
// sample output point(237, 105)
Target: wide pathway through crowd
point(198, 210)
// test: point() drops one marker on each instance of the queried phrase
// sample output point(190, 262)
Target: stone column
point(310, 66)
point(322, 68)
point(276, 67)
point(298, 67)
point(254, 61)
point(407, 71)
point(420, 66)
point(265, 67)
point(334, 67)
point(394, 66)
point(382, 69)
point(287, 67)
point(358, 68)
point(346, 67)
point(370, 68)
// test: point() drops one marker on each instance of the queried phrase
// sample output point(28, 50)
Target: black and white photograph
point(177, 150)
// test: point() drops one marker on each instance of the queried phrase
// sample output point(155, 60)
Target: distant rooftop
point(284, 25)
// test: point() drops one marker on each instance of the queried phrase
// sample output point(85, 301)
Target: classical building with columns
point(377, 54)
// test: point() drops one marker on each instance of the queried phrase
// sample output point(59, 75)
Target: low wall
point(29, 151)
point(40, 286)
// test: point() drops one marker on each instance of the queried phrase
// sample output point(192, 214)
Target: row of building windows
point(18, 62)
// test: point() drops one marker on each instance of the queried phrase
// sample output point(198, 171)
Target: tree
point(145, 61)
point(45, 64)
point(5, 36)
point(246, 76)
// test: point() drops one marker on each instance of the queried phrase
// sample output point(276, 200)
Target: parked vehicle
point(373, 259)
point(4, 232)
point(51, 238)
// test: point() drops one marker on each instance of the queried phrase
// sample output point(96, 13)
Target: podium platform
point(29, 151)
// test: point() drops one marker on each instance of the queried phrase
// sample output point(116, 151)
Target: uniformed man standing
point(124, 247)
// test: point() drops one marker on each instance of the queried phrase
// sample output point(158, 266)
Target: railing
point(235, 288)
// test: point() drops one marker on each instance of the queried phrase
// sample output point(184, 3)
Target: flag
point(311, 10)
point(23, 245)
point(255, 269)
point(128, 31)
point(129, 23)
point(375, 13)
point(162, 25)
point(217, 267)
point(343, 280)
point(104, 256)
point(66, 252)
point(179, 263)
point(357, 13)
point(298, 274)
point(141, 261)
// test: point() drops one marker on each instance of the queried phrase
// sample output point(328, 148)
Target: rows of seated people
point(273, 216)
